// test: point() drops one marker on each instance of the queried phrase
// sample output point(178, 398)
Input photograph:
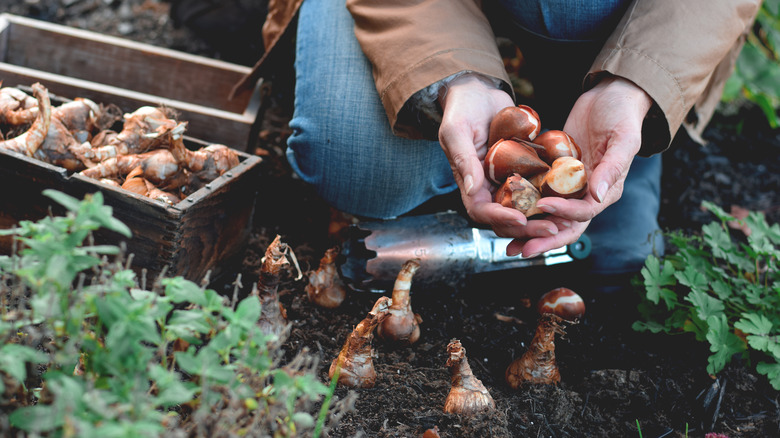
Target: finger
point(537, 245)
point(535, 228)
point(573, 210)
point(613, 166)
point(493, 214)
point(461, 152)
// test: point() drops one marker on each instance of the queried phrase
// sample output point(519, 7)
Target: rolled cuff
point(396, 96)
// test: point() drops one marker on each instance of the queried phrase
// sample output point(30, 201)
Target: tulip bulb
point(518, 193)
point(326, 288)
point(566, 179)
point(506, 157)
point(514, 122)
point(354, 362)
point(538, 364)
point(273, 317)
point(402, 325)
point(555, 144)
point(562, 302)
point(468, 395)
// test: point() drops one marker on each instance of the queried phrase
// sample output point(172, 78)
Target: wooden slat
point(78, 63)
point(206, 123)
point(122, 63)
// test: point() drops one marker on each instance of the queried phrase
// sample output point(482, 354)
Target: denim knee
point(371, 176)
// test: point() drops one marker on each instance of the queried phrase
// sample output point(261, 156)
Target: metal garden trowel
point(449, 247)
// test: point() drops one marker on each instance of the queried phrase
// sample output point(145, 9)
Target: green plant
point(758, 66)
point(85, 351)
point(724, 290)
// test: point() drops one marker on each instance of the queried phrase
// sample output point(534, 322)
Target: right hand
point(469, 104)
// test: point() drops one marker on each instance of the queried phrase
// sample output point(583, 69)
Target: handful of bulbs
point(146, 156)
point(527, 165)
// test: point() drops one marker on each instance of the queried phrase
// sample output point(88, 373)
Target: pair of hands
point(606, 122)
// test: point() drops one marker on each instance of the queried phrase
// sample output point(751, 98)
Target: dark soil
point(614, 380)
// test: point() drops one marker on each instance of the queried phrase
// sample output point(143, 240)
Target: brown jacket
point(679, 52)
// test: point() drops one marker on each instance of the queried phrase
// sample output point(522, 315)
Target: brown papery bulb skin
point(506, 157)
point(468, 396)
point(326, 288)
point(538, 364)
point(567, 178)
point(518, 193)
point(28, 142)
point(556, 144)
point(355, 362)
point(402, 325)
point(273, 316)
point(514, 122)
point(562, 302)
point(58, 146)
point(432, 433)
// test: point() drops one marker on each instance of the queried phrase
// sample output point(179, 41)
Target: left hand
point(606, 122)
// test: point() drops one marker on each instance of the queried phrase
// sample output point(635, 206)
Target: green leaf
point(649, 326)
point(721, 289)
point(14, 359)
point(63, 199)
point(717, 211)
point(723, 343)
point(692, 278)
point(758, 328)
point(180, 290)
point(733, 88)
point(705, 305)
point(718, 239)
point(656, 279)
point(39, 418)
point(247, 312)
point(187, 324)
point(772, 371)
point(171, 390)
point(754, 324)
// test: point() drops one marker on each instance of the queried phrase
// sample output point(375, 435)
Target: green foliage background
point(723, 289)
point(756, 77)
point(87, 352)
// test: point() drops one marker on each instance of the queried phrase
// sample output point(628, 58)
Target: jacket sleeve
point(680, 53)
point(413, 44)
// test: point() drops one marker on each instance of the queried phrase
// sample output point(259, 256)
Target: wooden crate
point(77, 63)
point(205, 231)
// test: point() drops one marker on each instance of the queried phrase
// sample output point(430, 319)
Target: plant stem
point(326, 404)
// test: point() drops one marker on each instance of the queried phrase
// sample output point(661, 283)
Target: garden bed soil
point(614, 381)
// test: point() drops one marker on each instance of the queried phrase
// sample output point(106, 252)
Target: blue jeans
point(342, 144)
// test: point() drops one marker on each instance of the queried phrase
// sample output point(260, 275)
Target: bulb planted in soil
point(355, 363)
point(326, 288)
point(538, 364)
point(273, 317)
point(402, 325)
point(468, 396)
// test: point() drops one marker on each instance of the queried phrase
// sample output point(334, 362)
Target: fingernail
point(566, 224)
point(553, 231)
point(547, 208)
point(522, 221)
point(512, 253)
point(469, 182)
point(602, 191)
point(530, 256)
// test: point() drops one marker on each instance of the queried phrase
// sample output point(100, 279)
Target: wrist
point(469, 81)
point(639, 97)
